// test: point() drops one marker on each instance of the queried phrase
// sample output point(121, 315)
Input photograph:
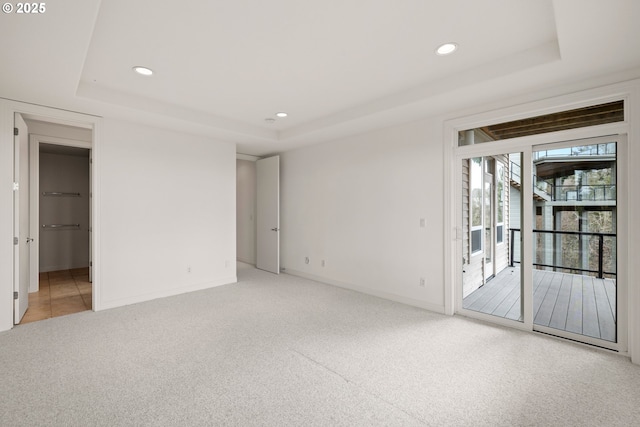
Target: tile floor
point(61, 292)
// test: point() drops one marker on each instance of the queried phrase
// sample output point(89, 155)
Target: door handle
point(275, 229)
point(29, 240)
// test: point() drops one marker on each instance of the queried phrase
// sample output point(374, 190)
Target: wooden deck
point(581, 304)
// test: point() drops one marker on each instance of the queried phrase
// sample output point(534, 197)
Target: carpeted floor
point(279, 350)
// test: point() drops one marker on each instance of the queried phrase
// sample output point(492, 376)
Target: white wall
point(356, 203)
point(246, 211)
point(68, 247)
point(167, 204)
point(164, 201)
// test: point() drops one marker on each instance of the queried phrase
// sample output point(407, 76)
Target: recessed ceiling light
point(281, 114)
point(143, 70)
point(446, 49)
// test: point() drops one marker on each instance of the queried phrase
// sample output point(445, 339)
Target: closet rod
point(58, 193)
point(60, 225)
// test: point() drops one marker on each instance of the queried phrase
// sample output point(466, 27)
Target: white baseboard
point(105, 305)
point(385, 295)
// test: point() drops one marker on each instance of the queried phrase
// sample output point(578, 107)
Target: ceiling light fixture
point(143, 70)
point(281, 114)
point(270, 120)
point(446, 49)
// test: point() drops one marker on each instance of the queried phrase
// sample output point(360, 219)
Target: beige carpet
point(279, 350)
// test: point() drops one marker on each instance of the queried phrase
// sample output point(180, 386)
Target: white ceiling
point(337, 67)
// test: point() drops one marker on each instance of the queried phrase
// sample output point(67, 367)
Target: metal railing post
point(600, 256)
point(511, 245)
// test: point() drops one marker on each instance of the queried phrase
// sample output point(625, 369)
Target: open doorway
point(258, 212)
point(57, 198)
point(246, 186)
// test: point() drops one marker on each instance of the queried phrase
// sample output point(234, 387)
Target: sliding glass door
point(490, 216)
point(558, 203)
point(575, 239)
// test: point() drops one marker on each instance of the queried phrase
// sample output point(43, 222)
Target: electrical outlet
point(306, 260)
point(422, 282)
point(423, 222)
point(189, 269)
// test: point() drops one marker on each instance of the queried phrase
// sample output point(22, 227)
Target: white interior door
point(268, 214)
point(21, 219)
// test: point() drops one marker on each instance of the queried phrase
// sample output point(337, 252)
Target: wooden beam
point(581, 117)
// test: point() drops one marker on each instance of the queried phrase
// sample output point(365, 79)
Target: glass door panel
point(489, 226)
point(574, 237)
point(491, 212)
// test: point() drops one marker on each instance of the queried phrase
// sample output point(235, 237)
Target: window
point(500, 190)
point(475, 189)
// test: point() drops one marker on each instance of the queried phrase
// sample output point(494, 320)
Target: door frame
point(47, 114)
point(629, 92)
point(34, 192)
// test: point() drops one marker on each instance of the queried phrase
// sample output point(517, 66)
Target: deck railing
point(579, 192)
point(600, 272)
point(514, 172)
point(603, 150)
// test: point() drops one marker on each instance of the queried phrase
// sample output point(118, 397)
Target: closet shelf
point(59, 194)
